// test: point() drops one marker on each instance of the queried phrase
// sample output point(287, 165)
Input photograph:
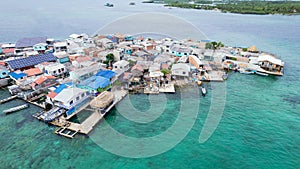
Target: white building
point(55, 69)
point(70, 97)
point(121, 66)
point(60, 47)
point(180, 69)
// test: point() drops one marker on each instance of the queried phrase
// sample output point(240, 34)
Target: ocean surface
point(260, 124)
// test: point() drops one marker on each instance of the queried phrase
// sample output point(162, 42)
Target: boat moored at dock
point(17, 108)
point(203, 91)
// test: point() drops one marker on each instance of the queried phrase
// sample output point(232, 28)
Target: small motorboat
point(261, 74)
point(132, 3)
point(109, 5)
point(225, 76)
point(246, 71)
point(14, 109)
point(203, 91)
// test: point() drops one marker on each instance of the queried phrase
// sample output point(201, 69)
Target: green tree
point(109, 59)
point(165, 71)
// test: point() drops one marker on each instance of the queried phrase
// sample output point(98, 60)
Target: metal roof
point(17, 75)
point(106, 73)
point(30, 61)
point(95, 82)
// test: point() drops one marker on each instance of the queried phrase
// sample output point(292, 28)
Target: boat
point(52, 114)
point(246, 71)
point(109, 5)
point(8, 99)
point(225, 76)
point(131, 3)
point(148, 1)
point(14, 109)
point(203, 91)
point(261, 74)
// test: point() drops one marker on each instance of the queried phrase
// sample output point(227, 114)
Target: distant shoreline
point(245, 7)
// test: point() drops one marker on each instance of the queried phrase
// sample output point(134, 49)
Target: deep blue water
point(260, 123)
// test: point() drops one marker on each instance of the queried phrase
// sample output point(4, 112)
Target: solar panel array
point(29, 42)
point(30, 61)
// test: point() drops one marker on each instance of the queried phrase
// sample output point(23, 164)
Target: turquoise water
point(260, 123)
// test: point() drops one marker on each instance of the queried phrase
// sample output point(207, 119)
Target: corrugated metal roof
point(95, 82)
point(106, 73)
point(17, 75)
point(68, 94)
point(30, 61)
point(33, 71)
point(60, 88)
point(28, 42)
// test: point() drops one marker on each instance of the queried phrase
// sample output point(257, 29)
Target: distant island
point(242, 7)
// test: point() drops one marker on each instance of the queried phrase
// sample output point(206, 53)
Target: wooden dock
point(78, 110)
point(70, 129)
point(36, 104)
point(119, 95)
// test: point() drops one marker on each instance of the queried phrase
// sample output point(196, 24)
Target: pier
point(70, 129)
point(35, 103)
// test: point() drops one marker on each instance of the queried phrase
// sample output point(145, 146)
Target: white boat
point(21, 107)
point(246, 71)
point(261, 74)
point(203, 90)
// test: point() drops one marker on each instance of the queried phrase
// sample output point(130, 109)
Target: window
point(4, 73)
point(62, 69)
point(82, 95)
point(77, 98)
point(183, 73)
point(116, 67)
point(54, 72)
point(71, 102)
point(185, 54)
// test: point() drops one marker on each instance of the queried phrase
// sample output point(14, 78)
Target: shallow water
point(260, 123)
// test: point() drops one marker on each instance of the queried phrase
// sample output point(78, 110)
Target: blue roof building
point(17, 76)
point(95, 84)
point(30, 61)
point(106, 73)
point(60, 88)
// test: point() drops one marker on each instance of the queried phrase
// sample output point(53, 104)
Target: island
point(242, 7)
point(94, 73)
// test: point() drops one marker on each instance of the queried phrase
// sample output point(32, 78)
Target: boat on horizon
point(132, 3)
point(109, 5)
point(148, 1)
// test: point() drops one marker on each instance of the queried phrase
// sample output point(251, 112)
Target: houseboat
point(270, 65)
